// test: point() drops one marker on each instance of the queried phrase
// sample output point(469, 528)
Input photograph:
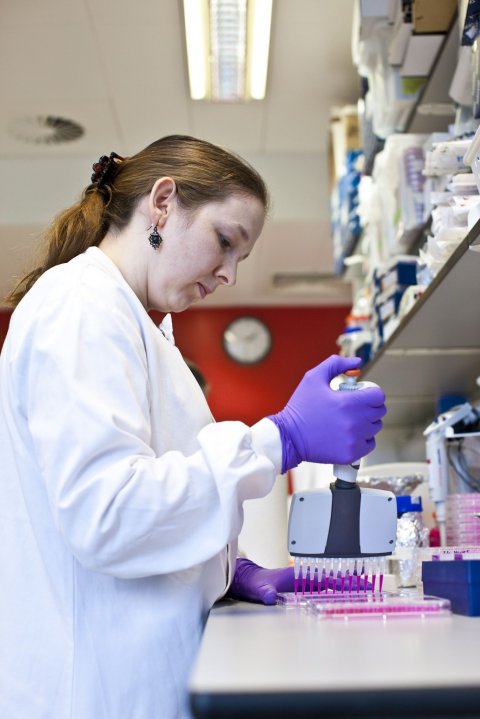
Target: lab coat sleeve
point(121, 509)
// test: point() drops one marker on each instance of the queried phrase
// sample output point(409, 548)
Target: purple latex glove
point(320, 424)
point(256, 584)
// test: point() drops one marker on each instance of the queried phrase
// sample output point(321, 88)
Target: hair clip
point(105, 169)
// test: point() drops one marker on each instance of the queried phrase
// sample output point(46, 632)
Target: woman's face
point(201, 251)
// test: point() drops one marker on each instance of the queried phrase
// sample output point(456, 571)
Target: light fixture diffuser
point(260, 19)
point(198, 49)
point(227, 48)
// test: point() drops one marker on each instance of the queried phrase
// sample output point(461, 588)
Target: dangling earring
point(154, 238)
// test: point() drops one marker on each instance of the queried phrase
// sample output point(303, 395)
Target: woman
point(121, 498)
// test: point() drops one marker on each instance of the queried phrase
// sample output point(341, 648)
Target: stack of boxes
point(419, 32)
point(390, 281)
point(395, 46)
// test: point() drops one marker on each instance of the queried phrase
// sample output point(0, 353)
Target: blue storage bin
point(458, 581)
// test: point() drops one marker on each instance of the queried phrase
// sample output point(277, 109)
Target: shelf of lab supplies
point(435, 350)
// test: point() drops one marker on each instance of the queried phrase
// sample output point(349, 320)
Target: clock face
point(247, 340)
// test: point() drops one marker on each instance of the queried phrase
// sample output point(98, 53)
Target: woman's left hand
point(252, 583)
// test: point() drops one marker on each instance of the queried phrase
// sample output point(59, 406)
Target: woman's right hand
point(320, 424)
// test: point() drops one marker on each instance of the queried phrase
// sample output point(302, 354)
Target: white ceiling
point(118, 68)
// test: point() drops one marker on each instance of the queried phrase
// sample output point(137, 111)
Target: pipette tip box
point(458, 581)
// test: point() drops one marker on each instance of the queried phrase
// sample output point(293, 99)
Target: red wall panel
point(302, 337)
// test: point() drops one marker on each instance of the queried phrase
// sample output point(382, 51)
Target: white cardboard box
point(420, 55)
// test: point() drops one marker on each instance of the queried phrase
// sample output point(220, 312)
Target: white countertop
point(251, 649)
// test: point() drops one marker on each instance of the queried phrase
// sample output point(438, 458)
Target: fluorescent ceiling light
point(228, 45)
point(196, 31)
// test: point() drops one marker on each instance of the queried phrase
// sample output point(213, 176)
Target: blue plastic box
point(458, 581)
point(399, 276)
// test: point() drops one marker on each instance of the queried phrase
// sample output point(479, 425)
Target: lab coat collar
point(166, 328)
point(166, 325)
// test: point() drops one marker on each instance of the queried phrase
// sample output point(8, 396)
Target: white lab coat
point(118, 498)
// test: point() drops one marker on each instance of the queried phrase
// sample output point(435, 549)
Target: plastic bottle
point(411, 534)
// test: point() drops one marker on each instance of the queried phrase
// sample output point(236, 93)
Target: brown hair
point(202, 172)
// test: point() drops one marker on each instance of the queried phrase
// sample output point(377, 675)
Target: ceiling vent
point(45, 130)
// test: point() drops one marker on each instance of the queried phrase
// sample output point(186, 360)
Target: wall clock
point(247, 340)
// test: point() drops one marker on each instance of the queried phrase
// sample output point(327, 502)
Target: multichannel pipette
point(339, 536)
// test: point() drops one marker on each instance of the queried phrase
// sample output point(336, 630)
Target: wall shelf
point(436, 348)
point(426, 115)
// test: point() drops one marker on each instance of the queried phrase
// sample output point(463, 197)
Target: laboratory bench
point(282, 662)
